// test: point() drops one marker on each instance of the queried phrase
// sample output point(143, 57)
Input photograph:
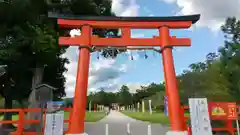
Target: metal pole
point(238, 132)
point(149, 130)
point(128, 129)
point(106, 129)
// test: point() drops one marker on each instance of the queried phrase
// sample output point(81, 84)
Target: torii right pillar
point(177, 128)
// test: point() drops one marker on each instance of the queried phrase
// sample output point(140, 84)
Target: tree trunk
point(36, 80)
point(37, 76)
point(8, 105)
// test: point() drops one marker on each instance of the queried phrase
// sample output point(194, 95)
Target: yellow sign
point(218, 111)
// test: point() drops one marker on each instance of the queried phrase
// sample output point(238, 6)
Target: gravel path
point(117, 125)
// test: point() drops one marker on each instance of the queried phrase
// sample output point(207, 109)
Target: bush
point(159, 108)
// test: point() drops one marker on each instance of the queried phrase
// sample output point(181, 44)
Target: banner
point(223, 110)
point(166, 105)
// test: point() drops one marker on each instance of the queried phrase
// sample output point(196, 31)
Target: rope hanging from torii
point(93, 49)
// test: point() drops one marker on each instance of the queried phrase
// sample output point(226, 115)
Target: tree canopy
point(29, 47)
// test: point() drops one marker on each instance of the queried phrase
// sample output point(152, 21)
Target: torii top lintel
point(173, 22)
point(126, 24)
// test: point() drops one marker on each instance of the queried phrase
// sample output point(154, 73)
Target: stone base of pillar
point(177, 133)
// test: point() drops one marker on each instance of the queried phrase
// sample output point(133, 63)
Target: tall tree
point(124, 97)
point(229, 55)
point(28, 43)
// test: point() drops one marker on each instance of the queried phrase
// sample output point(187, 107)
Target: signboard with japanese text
point(200, 121)
point(223, 110)
point(54, 119)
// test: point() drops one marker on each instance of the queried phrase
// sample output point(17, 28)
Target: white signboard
point(200, 121)
point(54, 119)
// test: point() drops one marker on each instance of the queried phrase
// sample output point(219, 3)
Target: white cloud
point(75, 32)
point(213, 12)
point(104, 73)
point(105, 70)
point(111, 86)
point(125, 7)
point(101, 71)
point(134, 86)
point(169, 1)
point(116, 85)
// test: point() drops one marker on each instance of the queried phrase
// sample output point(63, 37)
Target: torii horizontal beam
point(173, 22)
point(120, 42)
point(126, 24)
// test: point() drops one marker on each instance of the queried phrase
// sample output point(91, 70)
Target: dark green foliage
point(28, 41)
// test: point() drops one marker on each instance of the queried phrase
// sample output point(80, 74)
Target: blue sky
point(206, 37)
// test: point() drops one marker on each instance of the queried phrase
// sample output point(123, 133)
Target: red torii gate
point(87, 41)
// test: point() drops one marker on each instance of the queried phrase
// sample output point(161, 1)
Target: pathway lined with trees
point(118, 125)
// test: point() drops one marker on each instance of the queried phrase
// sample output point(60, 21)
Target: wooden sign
point(223, 110)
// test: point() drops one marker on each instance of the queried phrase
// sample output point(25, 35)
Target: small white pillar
point(138, 106)
point(90, 106)
point(150, 106)
point(143, 106)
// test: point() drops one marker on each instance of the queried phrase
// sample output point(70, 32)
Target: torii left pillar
point(77, 126)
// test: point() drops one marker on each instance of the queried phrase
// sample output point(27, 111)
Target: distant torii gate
point(87, 41)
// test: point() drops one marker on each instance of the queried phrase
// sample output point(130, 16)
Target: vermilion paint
point(86, 39)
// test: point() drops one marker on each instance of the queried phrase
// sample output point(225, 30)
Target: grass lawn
point(94, 116)
point(90, 116)
point(153, 118)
